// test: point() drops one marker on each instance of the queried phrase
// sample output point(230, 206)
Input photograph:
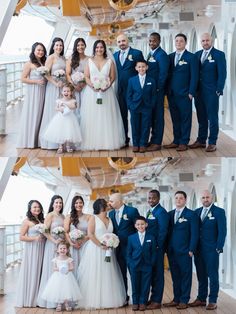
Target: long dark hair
point(30, 216)
point(73, 213)
point(100, 41)
point(75, 58)
point(99, 205)
point(32, 57)
point(52, 202)
point(51, 51)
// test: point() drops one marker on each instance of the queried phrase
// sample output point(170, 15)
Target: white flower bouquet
point(78, 77)
point(76, 235)
point(100, 83)
point(43, 70)
point(111, 241)
point(60, 75)
point(41, 228)
point(58, 232)
point(63, 268)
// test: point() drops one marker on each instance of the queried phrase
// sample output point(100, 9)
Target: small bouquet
point(43, 70)
point(100, 83)
point(41, 228)
point(77, 78)
point(76, 235)
point(63, 268)
point(58, 232)
point(60, 75)
point(111, 241)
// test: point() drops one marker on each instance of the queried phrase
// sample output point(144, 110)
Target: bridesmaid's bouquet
point(41, 228)
point(78, 77)
point(60, 75)
point(111, 241)
point(76, 235)
point(100, 83)
point(43, 70)
point(58, 232)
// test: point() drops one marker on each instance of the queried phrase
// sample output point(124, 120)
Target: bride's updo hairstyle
point(99, 206)
point(100, 41)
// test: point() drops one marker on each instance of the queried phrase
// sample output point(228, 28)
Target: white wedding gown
point(101, 124)
point(101, 283)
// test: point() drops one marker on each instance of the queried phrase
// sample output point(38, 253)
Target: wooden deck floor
point(226, 304)
point(226, 147)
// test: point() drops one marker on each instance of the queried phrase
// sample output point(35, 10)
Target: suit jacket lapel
point(121, 218)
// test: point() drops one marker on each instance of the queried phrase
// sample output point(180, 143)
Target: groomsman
point(182, 242)
point(211, 243)
point(126, 59)
point(182, 84)
point(158, 65)
point(123, 219)
point(212, 66)
point(158, 222)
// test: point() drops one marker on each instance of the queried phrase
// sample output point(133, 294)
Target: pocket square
point(211, 218)
point(149, 83)
point(149, 241)
point(211, 60)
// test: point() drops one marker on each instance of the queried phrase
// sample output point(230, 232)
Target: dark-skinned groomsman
point(182, 85)
point(212, 78)
point(158, 223)
point(182, 242)
point(211, 242)
point(158, 65)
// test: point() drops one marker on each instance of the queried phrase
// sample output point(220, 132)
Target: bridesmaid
point(34, 99)
point(30, 271)
point(53, 219)
point(55, 61)
point(76, 220)
point(76, 63)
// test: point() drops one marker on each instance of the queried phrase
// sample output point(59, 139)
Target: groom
point(123, 218)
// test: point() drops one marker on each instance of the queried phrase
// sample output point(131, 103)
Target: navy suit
point(140, 102)
point(212, 78)
point(182, 81)
point(126, 71)
point(182, 239)
point(206, 258)
point(158, 66)
point(158, 223)
point(140, 260)
point(125, 228)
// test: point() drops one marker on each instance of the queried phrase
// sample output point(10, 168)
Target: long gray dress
point(31, 114)
point(52, 94)
point(76, 254)
point(49, 254)
point(30, 272)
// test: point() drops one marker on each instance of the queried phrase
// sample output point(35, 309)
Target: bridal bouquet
point(58, 232)
point(43, 70)
point(41, 228)
point(111, 241)
point(100, 83)
point(76, 235)
point(60, 75)
point(78, 77)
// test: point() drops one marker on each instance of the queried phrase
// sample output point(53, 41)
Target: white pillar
point(2, 259)
point(3, 100)
point(6, 12)
point(5, 174)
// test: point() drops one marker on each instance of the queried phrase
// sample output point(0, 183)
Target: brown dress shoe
point(171, 304)
point(182, 148)
point(197, 302)
point(153, 147)
point(211, 306)
point(197, 145)
point(153, 306)
point(182, 306)
point(142, 307)
point(135, 149)
point(135, 307)
point(142, 149)
point(211, 148)
point(172, 145)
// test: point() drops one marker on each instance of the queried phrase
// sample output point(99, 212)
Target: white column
point(3, 100)
point(6, 12)
point(2, 259)
point(6, 173)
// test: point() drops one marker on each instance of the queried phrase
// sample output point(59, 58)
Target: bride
point(101, 282)
point(101, 122)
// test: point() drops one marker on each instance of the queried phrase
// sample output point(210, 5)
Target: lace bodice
point(100, 227)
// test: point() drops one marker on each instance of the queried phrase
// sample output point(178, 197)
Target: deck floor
point(226, 147)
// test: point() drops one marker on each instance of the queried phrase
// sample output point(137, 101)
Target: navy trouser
point(140, 125)
point(158, 277)
point(158, 119)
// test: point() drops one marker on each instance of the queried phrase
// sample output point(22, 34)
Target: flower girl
point(62, 287)
point(64, 127)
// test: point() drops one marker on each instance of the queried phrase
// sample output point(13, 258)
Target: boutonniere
point(209, 215)
point(209, 58)
point(151, 59)
point(125, 217)
point(182, 219)
point(150, 216)
point(181, 62)
point(130, 58)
